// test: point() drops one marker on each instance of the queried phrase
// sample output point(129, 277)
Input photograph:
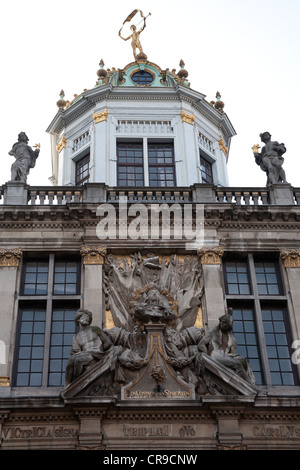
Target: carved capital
point(61, 144)
point(188, 118)
point(10, 257)
point(93, 254)
point(99, 117)
point(291, 258)
point(4, 382)
point(211, 255)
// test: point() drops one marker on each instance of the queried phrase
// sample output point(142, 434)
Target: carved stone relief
point(154, 352)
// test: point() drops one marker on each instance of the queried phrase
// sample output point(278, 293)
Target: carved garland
point(188, 118)
point(10, 257)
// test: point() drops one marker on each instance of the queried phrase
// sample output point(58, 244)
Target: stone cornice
point(107, 92)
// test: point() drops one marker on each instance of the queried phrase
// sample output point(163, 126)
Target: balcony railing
point(19, 194)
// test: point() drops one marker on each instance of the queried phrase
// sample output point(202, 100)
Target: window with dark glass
point(254, 290)
point(49, 297)
point(161, 165)
point(142, 77)
point(35, 278)
point(237, 278)
point(206, 170)
point(130, 166)
point(82, 170)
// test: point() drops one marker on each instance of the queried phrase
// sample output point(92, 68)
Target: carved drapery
point(10, 257)
point(291, 258)
point(211, 255)
point(126, 278)
point(93, 254)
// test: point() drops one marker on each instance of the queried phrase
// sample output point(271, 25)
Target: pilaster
point(93, 259)
point(291, 263)
point(9, 263)
point(211, 261)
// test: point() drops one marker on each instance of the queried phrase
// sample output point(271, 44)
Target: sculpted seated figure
point(223, 346)
point(90, 344)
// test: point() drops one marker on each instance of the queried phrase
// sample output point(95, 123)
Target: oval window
point(142, 77)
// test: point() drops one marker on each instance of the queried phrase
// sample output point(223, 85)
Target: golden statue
point(135, 36)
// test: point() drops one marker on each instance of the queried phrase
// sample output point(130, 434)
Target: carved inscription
point(38, 432)
point(153, 394)
point(146, 431)
point(282, 431)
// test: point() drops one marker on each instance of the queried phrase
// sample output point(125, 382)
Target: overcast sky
point(248, 50)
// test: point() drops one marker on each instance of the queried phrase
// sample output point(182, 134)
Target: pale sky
point(248, 50)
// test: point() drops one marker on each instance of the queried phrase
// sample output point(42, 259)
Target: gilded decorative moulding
point(100, 117)
point(4, 382)
point(61, 144)
point(10, 258)
point(188, 118)
point(291, 258)
point(93, 254)
point(211, 255)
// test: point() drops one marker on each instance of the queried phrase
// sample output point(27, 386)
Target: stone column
point(100, 149)
point(9, 263)
point(213, 298)
point(93, 300)
point(291, 263)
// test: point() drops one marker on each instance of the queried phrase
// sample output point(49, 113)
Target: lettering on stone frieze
point(146, 431)
point(187, 431)
point(38, 432)
point(282, 431)
point(163, 394)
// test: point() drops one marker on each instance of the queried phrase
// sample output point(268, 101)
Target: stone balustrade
point(22, 194)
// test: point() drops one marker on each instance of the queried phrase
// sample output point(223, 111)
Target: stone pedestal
point(94, 193)
point(281, 194)
point(15, 193)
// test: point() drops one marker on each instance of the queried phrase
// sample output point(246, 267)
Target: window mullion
point(145, 160)
point(48, 320)
point(259, 324)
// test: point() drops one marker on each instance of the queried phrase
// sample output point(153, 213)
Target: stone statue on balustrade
point(270, 159)
point(25, 158)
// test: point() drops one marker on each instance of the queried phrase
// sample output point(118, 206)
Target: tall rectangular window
point(30, 357)
point(206, 170)
point(254, 290)
point(130, 167)
point(82, 170)
point(49, 297)
point(161, 165)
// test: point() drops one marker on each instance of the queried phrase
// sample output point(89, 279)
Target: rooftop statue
point(135, 35)
point(25, 158)
point(270, 159)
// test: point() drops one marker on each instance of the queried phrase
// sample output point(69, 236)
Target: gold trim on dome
point(61, 144)
point(100, 117)
point(93, 255)
point(188, 118)
point(291, 258)
point(10, 258)
point(211, 255)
